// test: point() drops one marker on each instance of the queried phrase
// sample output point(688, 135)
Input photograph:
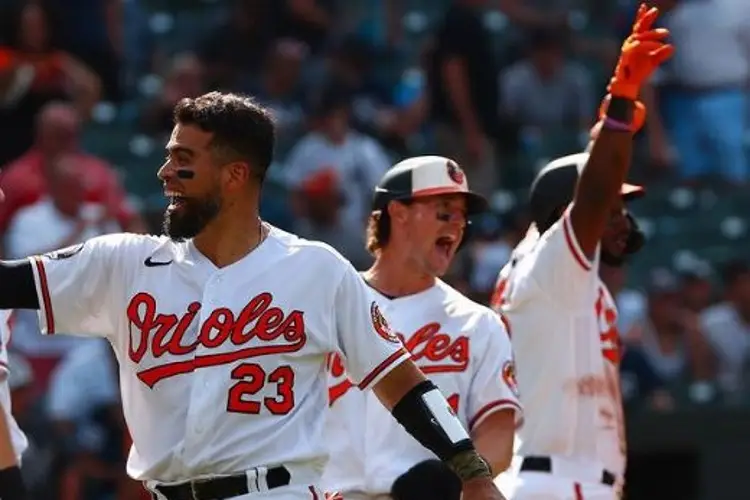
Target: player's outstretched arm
point(11, 483)
point(421, 409)
point(602, 177)
point(17, 288)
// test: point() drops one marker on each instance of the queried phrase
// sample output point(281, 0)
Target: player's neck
point(396, 278)
point(228, 239)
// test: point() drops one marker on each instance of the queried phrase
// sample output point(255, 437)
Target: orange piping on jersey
point(506, 323)
point(569, 239)
point(45, 296)
point(381, 367)
point(500, 404)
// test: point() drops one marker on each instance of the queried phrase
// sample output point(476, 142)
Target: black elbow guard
point(426, 415)
point(11, 484)
point(429, 479)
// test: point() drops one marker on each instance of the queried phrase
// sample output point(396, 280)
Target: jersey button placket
point(201, 403)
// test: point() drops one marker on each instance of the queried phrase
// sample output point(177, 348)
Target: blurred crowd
point(500, 86)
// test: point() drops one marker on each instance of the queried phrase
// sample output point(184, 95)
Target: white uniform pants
point(545, 486)
point(291, 492)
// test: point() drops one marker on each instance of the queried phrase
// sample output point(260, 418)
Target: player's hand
point(481, 488)
point(641, 53)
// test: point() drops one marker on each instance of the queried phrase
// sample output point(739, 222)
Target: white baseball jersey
point(562, 323)
point(221, 369)
point(17, 436)
point(464, 349)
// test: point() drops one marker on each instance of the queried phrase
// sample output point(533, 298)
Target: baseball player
point(419, 215)
point(562, 319)
point(12, 440)
point(222, 327)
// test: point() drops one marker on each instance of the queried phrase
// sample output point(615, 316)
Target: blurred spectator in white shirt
point(547, 91)
point(727, 328)
point(321, 199)
point(58, 220)
point(358, 160)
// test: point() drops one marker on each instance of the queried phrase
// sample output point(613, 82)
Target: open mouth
point(176, 200)
point(445, 244)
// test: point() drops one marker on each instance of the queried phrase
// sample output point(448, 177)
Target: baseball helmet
point(422, 176)
point(554, 187)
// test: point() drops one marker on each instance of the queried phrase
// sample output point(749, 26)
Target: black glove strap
point(621, 109)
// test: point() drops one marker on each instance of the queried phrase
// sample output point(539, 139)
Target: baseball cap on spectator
point(662, 282)
point(321, 184)
point(697, 271)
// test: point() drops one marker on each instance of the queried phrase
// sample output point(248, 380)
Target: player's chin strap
point(426, 415)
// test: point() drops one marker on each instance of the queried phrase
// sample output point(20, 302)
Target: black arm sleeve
point(17, 288)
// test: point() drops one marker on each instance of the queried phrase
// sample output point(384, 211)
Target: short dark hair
point(243, 129)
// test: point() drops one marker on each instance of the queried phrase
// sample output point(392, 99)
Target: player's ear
point(236, 174)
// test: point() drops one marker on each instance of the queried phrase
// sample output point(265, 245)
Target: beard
point(192, 217)
point(611, 259)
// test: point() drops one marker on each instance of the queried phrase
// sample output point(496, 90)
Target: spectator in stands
point(358, 160)
point(640, 383)
point(280, 90)
point(697, 289)
point(546, 91)
point(702, 92)
point(184, 78)
point(670, 336)
point(33, 72)
point(464, 93)
point(351, 64)
point(25, 181)
point(40, 460)
point(84, 406)
point(63, 215)
point(238, 45)
point(321, 200)
point(309, 21)
point(727, 329)
point(92, 30)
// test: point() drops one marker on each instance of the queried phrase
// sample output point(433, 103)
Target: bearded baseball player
point(12, 440)
point(420, 212)
point(560, 315)
point(222, 328)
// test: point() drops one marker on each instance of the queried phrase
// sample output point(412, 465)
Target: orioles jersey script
point(221, 369)
point(460, 345)
point(562, 325)
point(17, 437)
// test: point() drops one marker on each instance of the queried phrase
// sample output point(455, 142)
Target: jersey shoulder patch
point(381, 324)
point(65, 253)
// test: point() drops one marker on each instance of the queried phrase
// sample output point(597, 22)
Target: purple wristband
point(616, 125)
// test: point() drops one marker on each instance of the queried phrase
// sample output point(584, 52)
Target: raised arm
point(604, 173)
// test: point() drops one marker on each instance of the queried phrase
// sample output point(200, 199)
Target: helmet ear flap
point(636, 238)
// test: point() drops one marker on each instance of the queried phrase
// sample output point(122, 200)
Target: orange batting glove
point(642, 52)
